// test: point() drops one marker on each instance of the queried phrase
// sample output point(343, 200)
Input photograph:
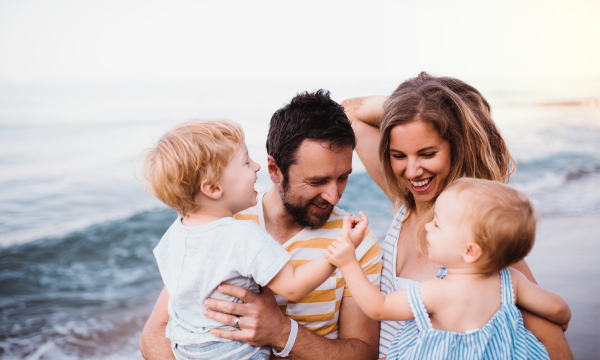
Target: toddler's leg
point(223, 350)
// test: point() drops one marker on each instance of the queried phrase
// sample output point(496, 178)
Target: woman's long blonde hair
point(462, 116)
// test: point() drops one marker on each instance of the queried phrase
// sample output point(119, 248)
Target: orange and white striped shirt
point(319, 310)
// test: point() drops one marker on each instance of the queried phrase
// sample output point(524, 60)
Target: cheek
point(398, 166)
point(440, 166)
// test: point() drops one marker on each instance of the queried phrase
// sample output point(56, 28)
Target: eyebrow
point(321, 178)
point(433, 147)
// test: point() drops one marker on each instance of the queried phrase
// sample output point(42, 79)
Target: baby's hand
point(354, 228)
point(341, 252)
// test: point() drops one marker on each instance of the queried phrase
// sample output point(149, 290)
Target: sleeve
point(269, 258)
point(369, 258)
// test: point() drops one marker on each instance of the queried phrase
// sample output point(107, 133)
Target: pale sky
point(143, 40)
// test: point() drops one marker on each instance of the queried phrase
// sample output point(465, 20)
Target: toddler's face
point(238, 179)
point(449, 231)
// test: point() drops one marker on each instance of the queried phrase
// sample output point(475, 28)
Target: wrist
point(290, 341)
point(281, 339)
point(349, 266)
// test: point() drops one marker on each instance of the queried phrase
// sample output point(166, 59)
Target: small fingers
point(347, 225)
point(364, 217)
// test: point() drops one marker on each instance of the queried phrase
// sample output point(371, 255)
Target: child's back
point(502, 336)
point(461, 305)
point(195, 260)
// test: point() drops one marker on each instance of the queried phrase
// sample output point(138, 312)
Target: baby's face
point(238, 179)
point(449, 231)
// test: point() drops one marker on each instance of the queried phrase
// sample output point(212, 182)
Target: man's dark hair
point(311, 116)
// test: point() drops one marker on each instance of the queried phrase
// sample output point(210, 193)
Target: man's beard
point(300, 212)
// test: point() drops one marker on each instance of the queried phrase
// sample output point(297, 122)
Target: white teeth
point(420, 183)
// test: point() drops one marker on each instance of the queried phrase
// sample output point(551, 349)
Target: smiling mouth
point(321, 207)
point(419, 185)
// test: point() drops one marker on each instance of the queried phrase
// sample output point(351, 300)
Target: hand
point(354, 229)
point(261, 321)
point(341, 252)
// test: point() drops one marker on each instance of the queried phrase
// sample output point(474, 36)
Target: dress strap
point(418, 308)
point(508, 297)
point(442, 272)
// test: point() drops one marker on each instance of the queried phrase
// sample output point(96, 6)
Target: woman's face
point(420, 158)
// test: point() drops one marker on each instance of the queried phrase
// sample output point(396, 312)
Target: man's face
point(316, 182)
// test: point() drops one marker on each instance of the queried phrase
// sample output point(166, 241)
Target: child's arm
point(368, 297)
point(541, 302)
point(295, 284)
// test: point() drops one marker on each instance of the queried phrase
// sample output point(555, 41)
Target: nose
point(256, 166)
point(428, 226)
point(413, 168)
point(331, 193)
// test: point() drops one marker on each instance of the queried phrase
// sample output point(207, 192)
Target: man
point(310, 146)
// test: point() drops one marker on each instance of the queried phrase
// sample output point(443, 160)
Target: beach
point(565, 261)
point(77, 275)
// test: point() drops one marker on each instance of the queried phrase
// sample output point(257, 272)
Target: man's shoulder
point(250, 213)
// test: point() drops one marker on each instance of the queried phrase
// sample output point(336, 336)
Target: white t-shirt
point(194, 260)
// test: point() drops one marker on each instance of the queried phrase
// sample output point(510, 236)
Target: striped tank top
point(502, 337)
point(391, 283)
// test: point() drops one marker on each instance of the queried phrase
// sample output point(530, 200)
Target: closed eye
point(317, 183)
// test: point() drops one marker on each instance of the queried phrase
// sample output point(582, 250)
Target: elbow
point(350, 108)
point(291, 294)
point(375, 315)
point(564, 314)
point(142, 346)
point(345, 104)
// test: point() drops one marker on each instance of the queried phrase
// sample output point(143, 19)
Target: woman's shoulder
point(398, 205)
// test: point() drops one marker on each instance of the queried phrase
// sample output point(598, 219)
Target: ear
point(211, 191)
point(274, 172)
point(472, 253)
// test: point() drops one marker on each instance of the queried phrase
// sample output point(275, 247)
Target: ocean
point(77, 275)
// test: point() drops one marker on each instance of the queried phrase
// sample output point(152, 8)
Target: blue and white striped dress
point(391, 283)
point(502, 337)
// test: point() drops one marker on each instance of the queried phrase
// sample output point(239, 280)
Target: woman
point(428, 133)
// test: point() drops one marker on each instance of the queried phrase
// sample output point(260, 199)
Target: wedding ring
point(237, 322)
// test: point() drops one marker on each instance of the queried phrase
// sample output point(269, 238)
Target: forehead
point(241, 151)
point(316, 158)
point(415, 135)
point(450, 205)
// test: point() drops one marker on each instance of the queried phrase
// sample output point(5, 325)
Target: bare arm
point(153, 343)
point(539, 301)
point(365, 115)
point(547, 332)
point(371, 301)
point(295, 284)
point(262, 323)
